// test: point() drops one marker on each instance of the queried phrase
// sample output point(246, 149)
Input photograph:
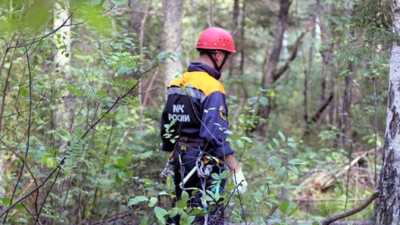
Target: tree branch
point(45, 198)
point(321, 109)
point(25, 196)
point(350, 212)
point(7, 81)
point(28, 133)
point(39, 39)
point(280, 71)
point(117, 100)
point(91, 127)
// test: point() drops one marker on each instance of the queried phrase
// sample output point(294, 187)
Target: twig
point(45, 198)
point(117, 100)
point(62, 161)
point(39, 39)
point(350, 212)
point(25, 196)
point(3, 60)
point(3, 101)
point(280, 71)
point(28, 133)
point(319, 112)
point(271, 212)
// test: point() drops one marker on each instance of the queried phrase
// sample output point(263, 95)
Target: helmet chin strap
point(214, 61)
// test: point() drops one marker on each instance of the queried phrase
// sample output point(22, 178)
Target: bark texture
point(235, 26)
point(273, 60)
point(173, 10)
point(388, 204)
point(271, 66)
point(64, 117)
point(327, 54)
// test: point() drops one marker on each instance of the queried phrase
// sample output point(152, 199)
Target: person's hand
point(239, 180)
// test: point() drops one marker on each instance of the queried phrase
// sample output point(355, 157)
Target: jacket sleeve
point(214, 127)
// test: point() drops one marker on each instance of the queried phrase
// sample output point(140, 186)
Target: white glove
point(239, 181)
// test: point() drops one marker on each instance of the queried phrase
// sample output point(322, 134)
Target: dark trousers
point(215, 209)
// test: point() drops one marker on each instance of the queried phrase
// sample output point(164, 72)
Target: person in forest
point(194, 127)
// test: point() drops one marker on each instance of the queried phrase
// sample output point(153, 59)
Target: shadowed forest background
point(82, 83)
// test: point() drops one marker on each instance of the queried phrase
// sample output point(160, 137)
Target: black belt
point(190, 140)
point(185, 142)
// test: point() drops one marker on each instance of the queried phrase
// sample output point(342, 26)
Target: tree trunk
point(272, 63)
point(388, 203)
point(2, 108)
point(307, 74)
point(235, 26)
point(64, 118)
point(242, 38)
point(173, 10)
point(327, 80)
point(346, 109)
point(274, 56)
point(142, 83)
point(136, 16)
point(210, 16)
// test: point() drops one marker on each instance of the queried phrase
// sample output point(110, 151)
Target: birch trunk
point(388, 203)
point(172, 36)
point(64, 116)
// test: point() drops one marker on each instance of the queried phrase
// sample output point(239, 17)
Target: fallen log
point(323, 180)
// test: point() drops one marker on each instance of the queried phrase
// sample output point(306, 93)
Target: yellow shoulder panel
point(199, 80)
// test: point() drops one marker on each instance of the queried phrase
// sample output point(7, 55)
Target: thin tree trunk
point(5, 89)
point(388, 204)
point(346, 108)
point(242, 48)
point(272, 63)
point(242, 38)
point(347, 95)
point(142, 84)
point(172, 36)
point(2, 106)
point(274, 56)
point(235, 26)
point(210, 17)
point(136, 16)
point(305, 101)
point(327, 80)
point(66, 110)
point(307, 73)
point(347, 99)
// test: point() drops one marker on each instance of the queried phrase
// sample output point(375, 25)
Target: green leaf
point(282, 136)
point(186, 220)
point(5, 201)
point(137, 200)
point(93, 15)
point(49, 160)
point(153, 201)
point(144, 220)
point(160, 214)
point(284, 207)
point(182, 203)
point(37, 15)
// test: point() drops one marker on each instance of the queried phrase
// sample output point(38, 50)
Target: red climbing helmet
point(215, 38)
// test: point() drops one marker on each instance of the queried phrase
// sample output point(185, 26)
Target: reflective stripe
point(189, 91)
